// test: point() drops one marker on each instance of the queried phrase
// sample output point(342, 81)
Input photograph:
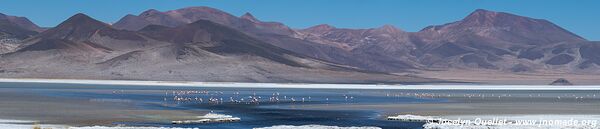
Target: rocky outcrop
point(561, 81)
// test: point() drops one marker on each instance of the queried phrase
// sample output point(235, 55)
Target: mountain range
point(206, 44)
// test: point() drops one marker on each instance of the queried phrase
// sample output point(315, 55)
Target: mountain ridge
point(195, 36)
point(13, 30)
point(199, 51)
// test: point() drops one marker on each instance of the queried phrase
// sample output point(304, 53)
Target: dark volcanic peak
point(184, 15)
point(503, 26)
point(192, 14)
point(81, 19)
point(486, 17)
point(83, 33)
point(150, 12)
point(174, 18)
point(21, 22)
point(481, 17)
point(148, 17)
point(78, 26)
point(249, 17)
point(9, 30)
point(161, 18)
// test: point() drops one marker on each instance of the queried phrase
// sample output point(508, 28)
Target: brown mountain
point(270, 32)
point(82, 47)
point(81, 32)
point(500, 26)
point(484, 39)
point(219, 39)
point(21, 22)
point(13, 30)
point(380, 49)
point(173, 18)
point(490, 40)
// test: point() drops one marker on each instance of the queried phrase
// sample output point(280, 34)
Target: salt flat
point(306, 85)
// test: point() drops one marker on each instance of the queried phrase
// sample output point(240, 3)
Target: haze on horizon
point(576, 16)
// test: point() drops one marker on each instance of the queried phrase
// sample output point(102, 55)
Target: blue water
point(263, 113)
point(286, 109)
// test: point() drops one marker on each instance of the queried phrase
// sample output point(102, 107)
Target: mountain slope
point(84, 48)
point(482, 40)
point(173, 18)
point(380, 49)
point(13, 30)
point(21, 22)
point(502, 26)
point(222, 40)
point(490, 40)
point(201, 43)
point(272, 33)
point(82, 33)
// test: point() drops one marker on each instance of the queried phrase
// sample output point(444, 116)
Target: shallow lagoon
point(258, 107)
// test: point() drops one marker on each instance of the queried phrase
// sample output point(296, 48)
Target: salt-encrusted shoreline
point(28, 124)
point(314, 127)
point(506, 121)
point(15, 126)
point(441, 126)
point(23, 124)
point(19, 126)
point(303, 85)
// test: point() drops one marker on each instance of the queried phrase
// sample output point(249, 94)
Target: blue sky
point(579, 16)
